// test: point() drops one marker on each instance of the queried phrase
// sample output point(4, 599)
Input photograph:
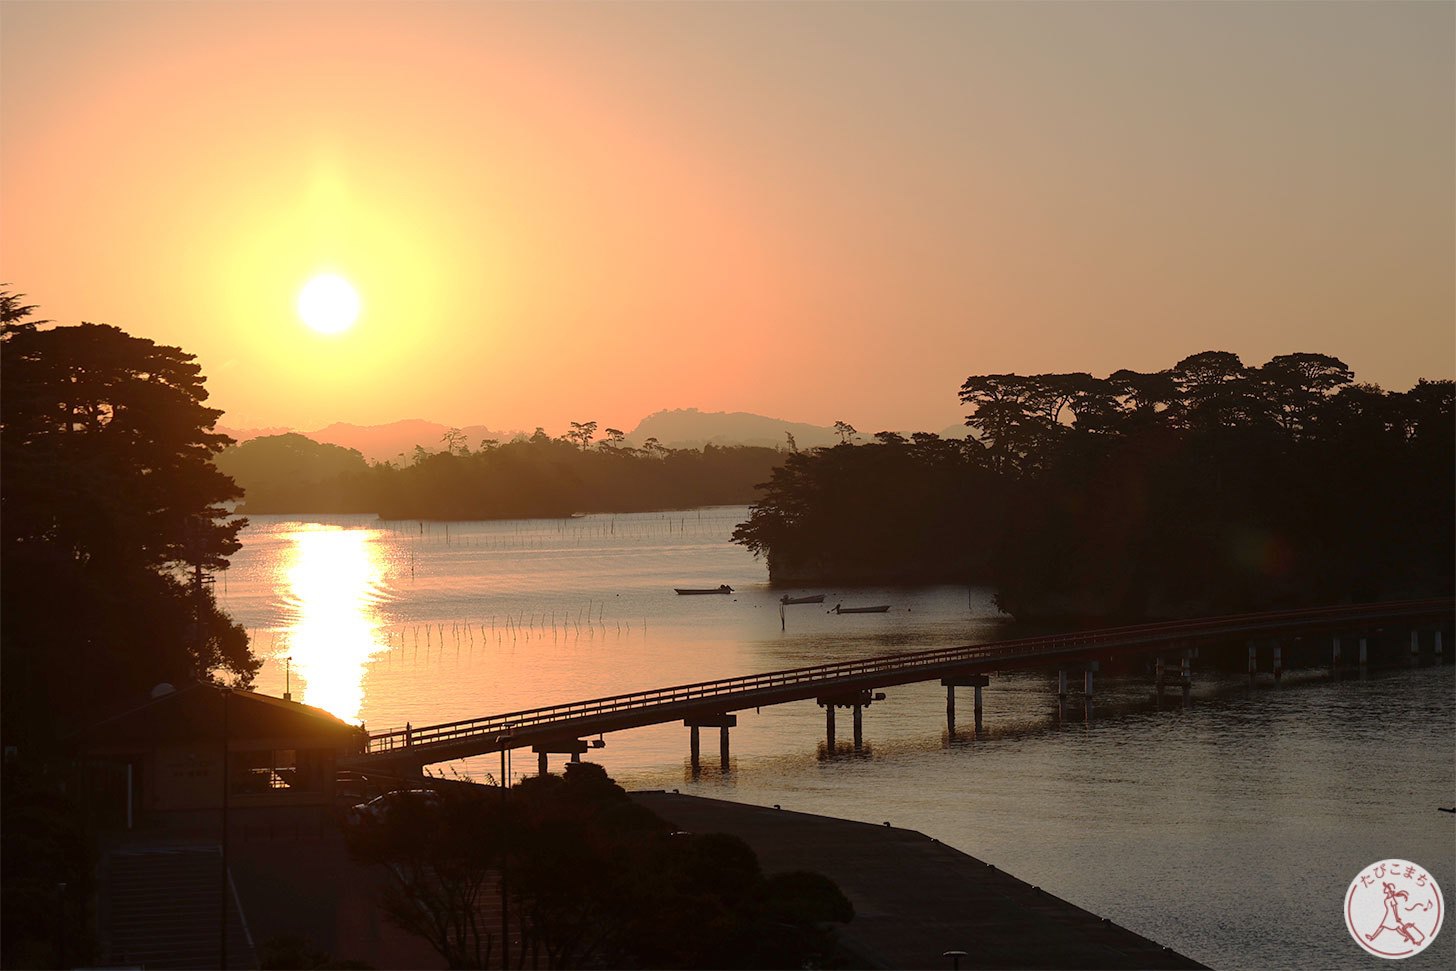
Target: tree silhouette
point(581, 433)
point(1209, 486)
point(846, 431)
point(595, 881)
point(454, 440)
point(110, 504)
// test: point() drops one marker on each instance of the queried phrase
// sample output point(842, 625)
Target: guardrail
point(898, 665)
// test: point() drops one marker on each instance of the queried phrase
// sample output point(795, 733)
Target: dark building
point(169, 750)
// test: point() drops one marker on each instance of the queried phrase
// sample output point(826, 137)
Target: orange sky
point(813, 211)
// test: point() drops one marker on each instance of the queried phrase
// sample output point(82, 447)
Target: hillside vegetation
point(536, 477)
point(1207, 487)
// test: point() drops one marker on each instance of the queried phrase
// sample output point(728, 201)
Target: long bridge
point(564, 728)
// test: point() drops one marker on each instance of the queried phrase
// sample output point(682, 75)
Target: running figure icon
point(1391, 921)
point(1394, 909)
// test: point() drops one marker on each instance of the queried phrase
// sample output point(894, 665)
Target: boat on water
point(841, 609)
point(813, 598)
point(695, 591)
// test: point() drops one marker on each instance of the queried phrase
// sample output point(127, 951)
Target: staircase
point(160, 909)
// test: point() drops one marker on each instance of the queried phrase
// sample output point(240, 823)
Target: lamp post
point(288, 678)
point(223, 909)
point(505, 906)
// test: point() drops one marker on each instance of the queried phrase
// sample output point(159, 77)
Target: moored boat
point(841, 609)
point(698, 591)
point(813, 598)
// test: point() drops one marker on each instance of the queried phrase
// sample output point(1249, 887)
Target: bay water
point(1228, 830)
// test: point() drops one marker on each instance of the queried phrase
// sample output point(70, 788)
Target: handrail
point(838, 672)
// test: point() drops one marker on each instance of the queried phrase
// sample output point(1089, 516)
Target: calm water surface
point(1228, 831)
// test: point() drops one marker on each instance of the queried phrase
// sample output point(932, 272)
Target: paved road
point(916, 898)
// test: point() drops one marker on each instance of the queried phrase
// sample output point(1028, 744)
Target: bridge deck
point(476, 736)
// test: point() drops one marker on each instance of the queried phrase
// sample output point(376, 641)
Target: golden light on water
point(333, 578)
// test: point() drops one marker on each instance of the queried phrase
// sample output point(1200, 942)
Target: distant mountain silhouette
point(691, 428)
point(382, 443)
point(958, 430)
point(244, 434)
point(676, 428)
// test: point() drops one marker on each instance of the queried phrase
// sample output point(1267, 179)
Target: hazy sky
point(816, 211)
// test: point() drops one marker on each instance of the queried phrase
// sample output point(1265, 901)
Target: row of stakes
point(536, 538)
point(464, 633)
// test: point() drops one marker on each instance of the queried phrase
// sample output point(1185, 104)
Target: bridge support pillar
point(1415, 654)
point(850, 699)
point(1438, 645)
point(722, 722)
point(1364, 653)
point(569, 746)
point(1335, 655)
point(1187, 677)
point(1278, 662)
point(1087, 689)
point(1062, 683)
point(974, 681)
point(1253, 663)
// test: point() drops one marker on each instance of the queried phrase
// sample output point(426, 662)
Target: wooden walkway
point(408, 750)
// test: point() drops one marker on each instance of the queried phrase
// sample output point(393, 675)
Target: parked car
point(380, 808)
point(351, 787)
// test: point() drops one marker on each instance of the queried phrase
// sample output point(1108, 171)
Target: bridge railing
point(828, 675)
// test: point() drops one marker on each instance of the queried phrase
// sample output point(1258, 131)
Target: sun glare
point(335, 591)
point(328, 304)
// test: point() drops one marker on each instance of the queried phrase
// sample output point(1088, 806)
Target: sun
point(328, 304)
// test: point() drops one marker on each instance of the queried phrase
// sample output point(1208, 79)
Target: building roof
point(195, 713)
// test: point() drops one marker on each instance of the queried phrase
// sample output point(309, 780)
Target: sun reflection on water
point(334, 579)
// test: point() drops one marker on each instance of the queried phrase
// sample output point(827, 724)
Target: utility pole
point(222, 916)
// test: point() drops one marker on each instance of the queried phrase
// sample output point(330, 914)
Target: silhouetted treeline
point(1209, 486)
point(595, 880)
point(536, 477)
point(110, 501)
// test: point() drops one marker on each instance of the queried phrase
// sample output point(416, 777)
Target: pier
point(853, 684)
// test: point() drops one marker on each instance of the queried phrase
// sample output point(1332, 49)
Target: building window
point(263, 770)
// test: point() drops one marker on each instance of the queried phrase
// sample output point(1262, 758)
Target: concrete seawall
point(916, 898)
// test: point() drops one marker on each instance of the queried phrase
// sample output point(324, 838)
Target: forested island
point(530, 477)
point(1211, 486)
